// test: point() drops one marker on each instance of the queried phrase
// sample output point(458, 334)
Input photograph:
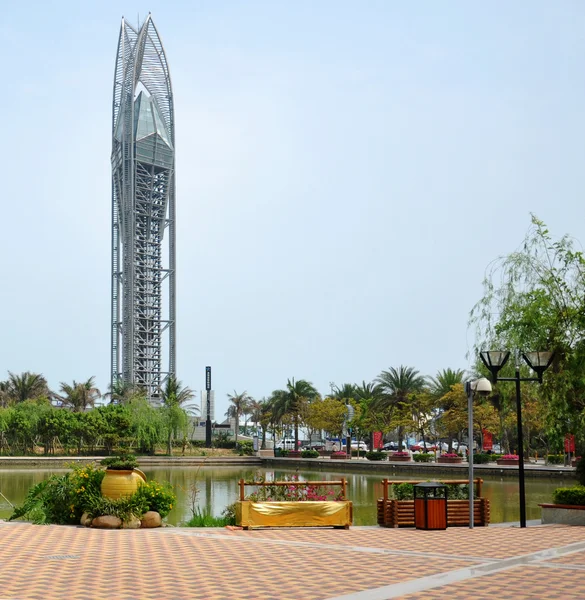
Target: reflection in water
point(218, 487)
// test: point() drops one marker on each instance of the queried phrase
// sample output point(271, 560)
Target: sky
point(346, 172)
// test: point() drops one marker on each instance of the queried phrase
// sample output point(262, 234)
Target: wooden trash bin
point(430, 505)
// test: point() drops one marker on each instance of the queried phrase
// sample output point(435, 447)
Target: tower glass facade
point(143, 212)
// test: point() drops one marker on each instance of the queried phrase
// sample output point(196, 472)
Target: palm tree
point(174, 397)
point(27, 386)
point(121, 392)
point(239, 402)
point(79, 396)
point(289, 401)
point(442, 382)
point(396, 385)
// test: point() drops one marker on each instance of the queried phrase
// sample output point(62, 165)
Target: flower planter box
point(250, 515)
point(449, 459)
point(564, 514)
point(338, 456)
point(507, 461)
point(400, 513)
point(394, 458)
point(293, 454)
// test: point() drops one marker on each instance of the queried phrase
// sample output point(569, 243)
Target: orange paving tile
point(54, 562)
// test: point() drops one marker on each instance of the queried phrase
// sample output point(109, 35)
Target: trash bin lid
point(430, 484)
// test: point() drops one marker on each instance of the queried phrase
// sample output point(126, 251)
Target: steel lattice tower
point(143, 210)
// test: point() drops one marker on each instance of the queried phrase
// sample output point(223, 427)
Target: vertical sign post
point(208, 420)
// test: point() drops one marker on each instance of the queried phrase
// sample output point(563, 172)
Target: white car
point(286, 444)
point(361, 446)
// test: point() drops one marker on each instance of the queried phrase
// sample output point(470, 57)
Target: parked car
point(421, 447)
point(391, 446)
point(361, 446)
point(285, 444)
point(314, 446)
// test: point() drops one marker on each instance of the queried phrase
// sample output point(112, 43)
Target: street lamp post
point(539, 363)
point(483, 387)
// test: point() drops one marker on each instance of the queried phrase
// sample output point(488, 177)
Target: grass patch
point(204, 518)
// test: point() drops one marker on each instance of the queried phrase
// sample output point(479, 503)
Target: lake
point(218, 486)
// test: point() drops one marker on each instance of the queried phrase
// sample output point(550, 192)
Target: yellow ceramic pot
point(119, 484)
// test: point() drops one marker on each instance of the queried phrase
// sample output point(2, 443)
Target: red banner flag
point(569, 443)
point(378, 440)
point(488, 439)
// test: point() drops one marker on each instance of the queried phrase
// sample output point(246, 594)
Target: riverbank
point(355, 465)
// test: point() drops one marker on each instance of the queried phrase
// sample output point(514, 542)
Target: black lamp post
point(208, 419)
point(539, 363)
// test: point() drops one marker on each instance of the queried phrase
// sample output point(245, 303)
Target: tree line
point(31, 415)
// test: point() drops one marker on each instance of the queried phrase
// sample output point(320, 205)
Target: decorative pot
point(118, 484)
point(394, 458)
point(449, 459)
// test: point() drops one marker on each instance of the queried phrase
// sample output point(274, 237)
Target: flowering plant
point(338, 453)
point(296, 491)
point(510, 457)
point(402, 453)
point(450, 455)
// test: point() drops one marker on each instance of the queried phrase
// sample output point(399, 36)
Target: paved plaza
point(363, 563)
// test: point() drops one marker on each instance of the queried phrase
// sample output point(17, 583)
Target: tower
point(143, 212)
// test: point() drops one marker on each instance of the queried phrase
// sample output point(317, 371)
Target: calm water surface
point(218, 487)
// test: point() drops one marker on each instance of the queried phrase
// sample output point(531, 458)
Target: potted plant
point(508, 459)
point(399, 456)
point(450, 457)
point(293, 503)
point(122, 476)
point(337, 455)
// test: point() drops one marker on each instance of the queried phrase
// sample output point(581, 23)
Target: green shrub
point(405, 491)
point(284, 452)
point(61, 499)
point(571, 495)
point(120, 462)
point(376, 455)
point(555, 459)
point(124, 508)
point(425, 457)
point(245, 447)
point(482, 458)
point(309, 454)
point(580, 472)
point(402, 491)
point(159, 497)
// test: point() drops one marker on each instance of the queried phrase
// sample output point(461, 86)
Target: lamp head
point(482, 386)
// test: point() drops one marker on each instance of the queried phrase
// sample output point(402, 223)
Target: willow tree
point(534, 299)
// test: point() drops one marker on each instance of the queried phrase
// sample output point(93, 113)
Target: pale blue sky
point(346, 171)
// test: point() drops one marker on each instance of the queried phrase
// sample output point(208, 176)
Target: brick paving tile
point(481, 542)
point(55, 562)
point(530, 582)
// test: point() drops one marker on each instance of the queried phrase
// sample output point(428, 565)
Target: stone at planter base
point(562, 514)
point(86, 520)
point(131, 523)
point(151, 519)
point(106, 522)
